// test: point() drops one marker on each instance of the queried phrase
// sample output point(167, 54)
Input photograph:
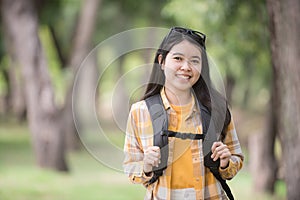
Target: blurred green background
point(238, 43)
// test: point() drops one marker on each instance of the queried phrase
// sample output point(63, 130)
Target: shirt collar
point(164, 98)
point(167, 104)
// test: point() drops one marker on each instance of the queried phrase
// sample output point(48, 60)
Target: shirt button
point(197, 179)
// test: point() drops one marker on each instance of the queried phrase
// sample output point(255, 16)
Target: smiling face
point(182, 67)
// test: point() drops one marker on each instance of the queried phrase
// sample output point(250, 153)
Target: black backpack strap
point(159, 119)
point(210, 137)
point(214, 168)
point(185, 136)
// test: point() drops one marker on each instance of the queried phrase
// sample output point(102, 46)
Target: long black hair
point(203, 89)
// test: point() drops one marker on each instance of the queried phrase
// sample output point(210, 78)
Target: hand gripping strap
point(214, 168)
point(159, 119)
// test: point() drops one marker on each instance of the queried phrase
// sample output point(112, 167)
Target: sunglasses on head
point(196, 35)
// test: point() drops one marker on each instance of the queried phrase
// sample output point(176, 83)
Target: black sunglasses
point(196, 35)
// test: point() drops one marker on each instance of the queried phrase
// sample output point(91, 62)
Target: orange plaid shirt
point(199, 182)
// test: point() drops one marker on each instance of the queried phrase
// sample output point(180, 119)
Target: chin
point(184, 87)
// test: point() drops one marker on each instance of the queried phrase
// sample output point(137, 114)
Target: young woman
point(181, 76)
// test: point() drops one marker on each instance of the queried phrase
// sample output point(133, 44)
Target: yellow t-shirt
point(182, 166)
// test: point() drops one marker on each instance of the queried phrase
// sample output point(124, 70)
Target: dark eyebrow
point(181, 54)
point(196, 57)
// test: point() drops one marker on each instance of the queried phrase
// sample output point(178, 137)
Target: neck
point(178, 98)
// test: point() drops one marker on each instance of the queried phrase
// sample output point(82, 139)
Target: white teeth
point(184, 76)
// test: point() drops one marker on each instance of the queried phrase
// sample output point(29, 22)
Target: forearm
point(135, 172)
point(234, 165)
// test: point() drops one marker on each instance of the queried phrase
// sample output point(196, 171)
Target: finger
point(217, 156)
point(155, 148)
point(216, 145)
point(152, 151)
point(213, 148)
point(154, 156)
point(221, 147)
point(152, 148)
point(151, 162)
point(219, 151)
point(225, 154)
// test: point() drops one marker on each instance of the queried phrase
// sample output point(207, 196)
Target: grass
point(21, 179)
point(241, 187)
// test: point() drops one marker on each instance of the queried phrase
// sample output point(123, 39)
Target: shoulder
point(139, 115)
point(231, 125)
point(139, 110)
point(140, 105)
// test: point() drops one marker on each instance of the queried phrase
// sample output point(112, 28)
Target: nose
point(186, 66)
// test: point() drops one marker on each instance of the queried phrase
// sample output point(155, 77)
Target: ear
point(160, 61)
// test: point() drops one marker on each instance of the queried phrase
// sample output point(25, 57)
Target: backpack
point(161, 133)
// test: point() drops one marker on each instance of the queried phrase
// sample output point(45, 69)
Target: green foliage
point(116, 16)
point(53, 63)
point(4, 63)
point(237, 38)
point(237, 33)
point(60, 16)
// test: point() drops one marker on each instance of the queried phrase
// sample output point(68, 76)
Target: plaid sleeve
point(237, 157)
point(133, 149)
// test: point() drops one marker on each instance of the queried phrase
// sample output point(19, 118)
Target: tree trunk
point(120, 94)
point(82, 46)
point(230, 83)
point(262, 154)
point(249, 71)
point(284, 18)
point(61, 56)
point(21, 27)
point(17, 97)
point(5, 100)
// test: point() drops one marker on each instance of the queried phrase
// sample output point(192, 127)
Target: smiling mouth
point(183, 76)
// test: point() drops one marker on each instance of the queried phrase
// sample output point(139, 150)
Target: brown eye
point(177, 58)
point(195, 62)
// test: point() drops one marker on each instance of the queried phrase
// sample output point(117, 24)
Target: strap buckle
point(183, 136)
